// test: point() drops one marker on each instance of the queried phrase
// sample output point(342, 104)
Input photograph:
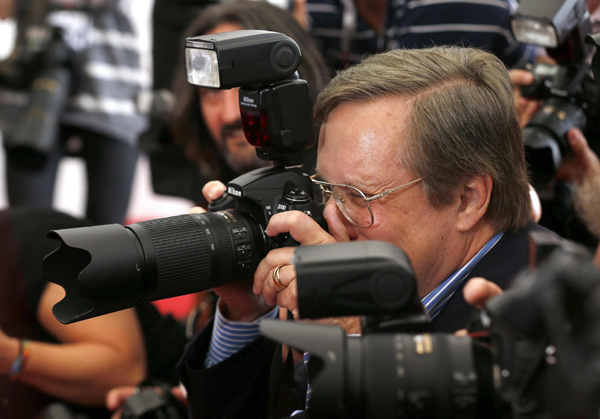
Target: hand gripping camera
point(109, 268)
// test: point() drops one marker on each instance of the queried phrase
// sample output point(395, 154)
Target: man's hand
point(241, 304)
point(478, 291)
point(116, 398)
point(305, 231)
point(300, 14)
point(526, 107)
point(581, 162)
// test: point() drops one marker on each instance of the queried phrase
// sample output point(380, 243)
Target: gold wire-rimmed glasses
point(351, 201)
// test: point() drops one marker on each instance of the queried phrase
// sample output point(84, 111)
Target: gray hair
point(462, 122)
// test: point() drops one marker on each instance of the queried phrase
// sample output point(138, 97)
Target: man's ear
point(475, 197)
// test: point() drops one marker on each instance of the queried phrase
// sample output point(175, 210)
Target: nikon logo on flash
point(246, 99)
point(233, 192)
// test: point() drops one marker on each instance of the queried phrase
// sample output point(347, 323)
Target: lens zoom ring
point(225, 246)
point(182, 255)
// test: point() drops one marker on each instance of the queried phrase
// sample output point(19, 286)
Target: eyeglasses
point(352, 202)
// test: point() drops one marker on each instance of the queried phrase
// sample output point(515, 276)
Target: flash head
point(355, 278)
point(550, 25)
point(240, 58)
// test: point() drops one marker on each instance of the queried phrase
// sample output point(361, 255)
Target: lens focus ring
point(182, 257)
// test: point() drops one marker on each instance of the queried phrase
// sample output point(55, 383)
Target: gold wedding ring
point(276, 278)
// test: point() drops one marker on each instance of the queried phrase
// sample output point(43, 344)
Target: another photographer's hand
point(477, 292)
point(239, 302)
point(305, 231)
point(116, 398)
point(581, 162)
point(526, 107)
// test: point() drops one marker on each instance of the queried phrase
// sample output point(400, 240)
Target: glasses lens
point(352, 204)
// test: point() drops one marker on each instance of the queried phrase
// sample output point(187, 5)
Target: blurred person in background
point(207, 122)
point(351, 29)
point(98, 119)
point(43, 361)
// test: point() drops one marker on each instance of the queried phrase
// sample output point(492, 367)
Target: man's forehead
point(360, 144)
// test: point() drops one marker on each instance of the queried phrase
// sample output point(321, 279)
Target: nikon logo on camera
point(423, 344)
point(234, 192)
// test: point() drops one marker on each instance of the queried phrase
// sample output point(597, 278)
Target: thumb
point(521, 77)
point(478, 291)
point(117, 396)
point(577, 141)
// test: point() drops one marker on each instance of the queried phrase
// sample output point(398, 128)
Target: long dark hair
point(186, 122)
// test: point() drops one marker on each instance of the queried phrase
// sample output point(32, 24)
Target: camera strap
point(283, 398)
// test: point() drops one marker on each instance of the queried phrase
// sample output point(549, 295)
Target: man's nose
point(231, 106)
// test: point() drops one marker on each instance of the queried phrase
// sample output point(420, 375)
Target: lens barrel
point(109, 268)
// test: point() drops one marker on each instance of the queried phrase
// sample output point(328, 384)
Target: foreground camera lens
point(392, 375)
point(109, 268)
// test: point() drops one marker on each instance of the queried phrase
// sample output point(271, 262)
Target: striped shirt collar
point(437, 299)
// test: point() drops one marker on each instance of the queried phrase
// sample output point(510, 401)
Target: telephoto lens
point(112, 267)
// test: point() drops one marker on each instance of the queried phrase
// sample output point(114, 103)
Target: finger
point(179, 394)
point(265, 268)
point(117, 396)
point(528, 111)
point(300, 226)
point(300, 13)
point(338, 230)
point(196, 210)
point(479, 290)
point(288, 298)
point(521, 77)
point(271, 291)
point(213, 190)
point(577, 142)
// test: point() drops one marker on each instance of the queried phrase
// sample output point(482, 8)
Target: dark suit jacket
point(500, 265)
point(238, 387)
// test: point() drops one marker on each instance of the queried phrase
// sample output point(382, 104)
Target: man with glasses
point(420, 148)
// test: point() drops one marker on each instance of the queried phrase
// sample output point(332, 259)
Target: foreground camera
point(108, 268)
point(534, 353)
point(396, 369)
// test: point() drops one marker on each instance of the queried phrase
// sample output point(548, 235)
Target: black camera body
point(571, 99)
point(153, 403)
point(570, 92)
point(108, 268)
